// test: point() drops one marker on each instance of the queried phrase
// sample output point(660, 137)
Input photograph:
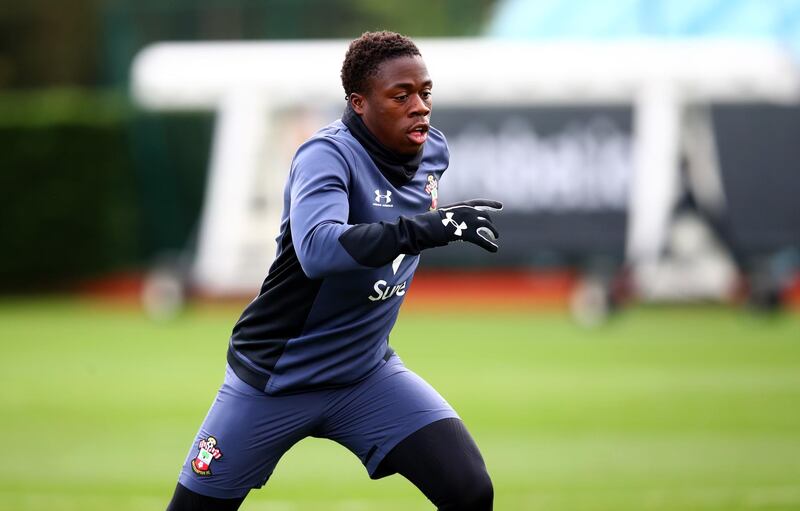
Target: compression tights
point(443, 461)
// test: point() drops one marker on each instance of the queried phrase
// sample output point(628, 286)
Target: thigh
point(372, 417)
point(443, 461)
point(242, 438)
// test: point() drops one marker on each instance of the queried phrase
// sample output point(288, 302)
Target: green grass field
point(662, 409)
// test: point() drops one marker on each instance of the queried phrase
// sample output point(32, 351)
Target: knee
point(480, 494)
point(474, 493)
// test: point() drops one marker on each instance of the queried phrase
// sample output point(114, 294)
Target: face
point(397, 105)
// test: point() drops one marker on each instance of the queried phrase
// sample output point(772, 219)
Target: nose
point(418, 106)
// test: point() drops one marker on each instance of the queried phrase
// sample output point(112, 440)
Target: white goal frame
point(246, 82)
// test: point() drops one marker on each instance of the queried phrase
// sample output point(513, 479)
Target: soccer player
point(310, 355)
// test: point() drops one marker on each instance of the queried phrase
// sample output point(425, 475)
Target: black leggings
point(443, 461)
point(440, 459)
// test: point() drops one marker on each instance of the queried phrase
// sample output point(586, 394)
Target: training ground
point(663, 408)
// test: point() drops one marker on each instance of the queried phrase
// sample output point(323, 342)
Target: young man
point(310, 356)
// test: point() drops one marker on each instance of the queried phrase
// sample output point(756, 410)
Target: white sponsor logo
point(448, 219)
point(383, 200)
point(384, 291)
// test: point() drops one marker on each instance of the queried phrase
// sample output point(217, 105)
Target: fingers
point(484, 239)
point(485, 204)
point(469, 211)
point(479, 204)
point(487, 225)
point(485, 236)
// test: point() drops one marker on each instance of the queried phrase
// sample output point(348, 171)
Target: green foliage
point(46, 43)
point(46, 108)
point(92, 187)
point(170, 155)
point(422, 18)
point(69, 203)
point(666, 409)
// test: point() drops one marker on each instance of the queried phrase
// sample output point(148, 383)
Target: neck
point(399, 169)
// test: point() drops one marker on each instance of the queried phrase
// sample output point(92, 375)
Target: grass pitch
point(662, 409)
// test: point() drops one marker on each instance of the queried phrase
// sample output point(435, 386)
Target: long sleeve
point(319, 209)
point(325, 243)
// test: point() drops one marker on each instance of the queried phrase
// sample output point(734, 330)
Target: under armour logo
point(385, 197)
point(449, 220)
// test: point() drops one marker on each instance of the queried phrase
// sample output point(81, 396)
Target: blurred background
point(635, 344)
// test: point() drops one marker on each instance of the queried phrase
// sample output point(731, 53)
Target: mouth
point(418, 133)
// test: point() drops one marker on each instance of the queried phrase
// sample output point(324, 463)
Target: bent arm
point(324, 241)
point(327, 244)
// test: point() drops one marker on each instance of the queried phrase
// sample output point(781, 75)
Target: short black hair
point(367, 53)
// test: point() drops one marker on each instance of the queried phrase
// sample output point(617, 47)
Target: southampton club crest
point(208, 453)
point(432, 189)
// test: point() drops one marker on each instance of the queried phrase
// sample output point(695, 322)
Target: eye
point(401, 98)
point(426, 94)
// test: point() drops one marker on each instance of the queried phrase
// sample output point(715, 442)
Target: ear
point(358, 102)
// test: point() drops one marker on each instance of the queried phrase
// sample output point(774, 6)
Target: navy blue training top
point(324, 312)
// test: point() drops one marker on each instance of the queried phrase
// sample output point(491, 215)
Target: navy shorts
point(247, 431)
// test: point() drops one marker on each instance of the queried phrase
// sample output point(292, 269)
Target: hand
point(469, 221)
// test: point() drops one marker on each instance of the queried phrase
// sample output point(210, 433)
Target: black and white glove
point(469, 221)
point(377, 244)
